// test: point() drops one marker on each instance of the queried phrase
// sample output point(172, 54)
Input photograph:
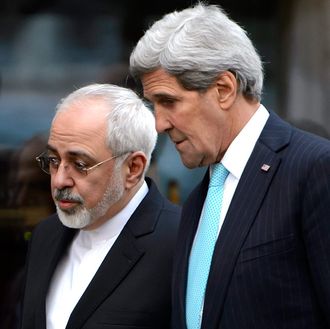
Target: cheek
point(206, 142)
point(52, 186)
point(93, 192)
point(198, 134)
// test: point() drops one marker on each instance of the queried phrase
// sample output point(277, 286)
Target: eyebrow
point(162, 96)
point(51, 148)
point(76, 153)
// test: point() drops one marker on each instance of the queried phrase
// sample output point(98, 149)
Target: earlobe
point(135, 165)
point(227, 89)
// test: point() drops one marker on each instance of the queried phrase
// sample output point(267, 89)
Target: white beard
point(81, 216)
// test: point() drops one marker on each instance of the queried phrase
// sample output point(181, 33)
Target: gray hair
point(196, 45)
point(130, 124)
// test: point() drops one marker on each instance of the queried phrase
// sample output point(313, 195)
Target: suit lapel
point(247, 200)
point(48, 259)
point(241, 214)
point(124, 255)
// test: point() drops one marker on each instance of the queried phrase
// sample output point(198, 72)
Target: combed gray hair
point(131, 125)
point(196, 45)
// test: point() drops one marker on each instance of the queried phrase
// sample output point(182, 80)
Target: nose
point(61, 178)
point(163, 123)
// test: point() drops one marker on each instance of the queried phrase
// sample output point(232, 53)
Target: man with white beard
point(105, 259)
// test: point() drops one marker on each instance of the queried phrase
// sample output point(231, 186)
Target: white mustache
point(66, 194)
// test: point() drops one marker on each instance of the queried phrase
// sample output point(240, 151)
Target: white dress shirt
point(79, 265)
point(238, 154)
point(235, 159)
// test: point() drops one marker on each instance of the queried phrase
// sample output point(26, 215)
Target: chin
point(190, 164)
point(77, 220)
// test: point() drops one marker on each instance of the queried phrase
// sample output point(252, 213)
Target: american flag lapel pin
point(265, 167)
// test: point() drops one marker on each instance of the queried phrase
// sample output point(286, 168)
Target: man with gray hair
point(105, 258)
point(253, 246)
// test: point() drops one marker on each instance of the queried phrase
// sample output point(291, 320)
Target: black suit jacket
point(131, 289)
point(271, 265)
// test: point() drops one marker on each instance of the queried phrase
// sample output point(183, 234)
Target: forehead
point(81, 126)
point(159, 82)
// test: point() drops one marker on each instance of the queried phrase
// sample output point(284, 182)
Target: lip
point(177, 142)
point(66, 204)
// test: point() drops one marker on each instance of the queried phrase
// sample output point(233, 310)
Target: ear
point(227, 86)
point(134, 168)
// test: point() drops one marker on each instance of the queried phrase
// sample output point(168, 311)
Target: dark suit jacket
point(131, 289)
point(271, 265)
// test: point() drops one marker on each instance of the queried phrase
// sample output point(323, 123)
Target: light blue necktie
point(202, 250)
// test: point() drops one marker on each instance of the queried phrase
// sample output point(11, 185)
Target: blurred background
point(48, 48)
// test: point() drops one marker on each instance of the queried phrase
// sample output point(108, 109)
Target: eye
point(80, 166)
point(54, 162)
point(167, 102)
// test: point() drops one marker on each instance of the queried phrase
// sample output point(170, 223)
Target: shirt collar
point(240, 149)
point(114, 225)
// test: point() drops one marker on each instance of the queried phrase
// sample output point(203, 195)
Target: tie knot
point(219, 175)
